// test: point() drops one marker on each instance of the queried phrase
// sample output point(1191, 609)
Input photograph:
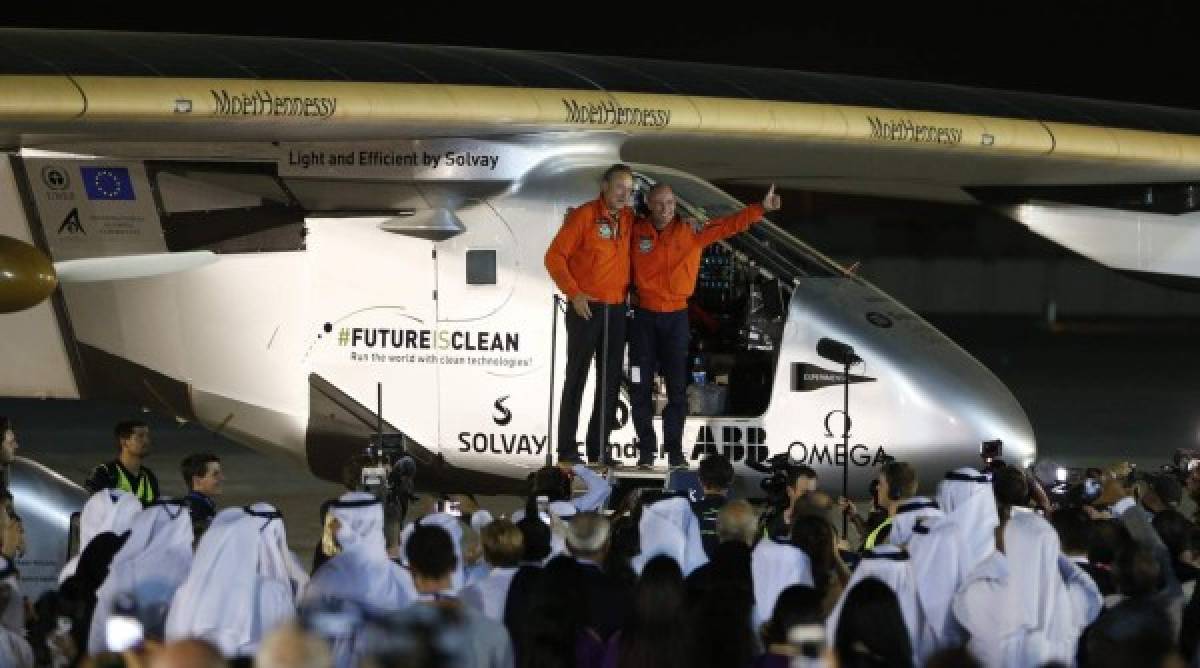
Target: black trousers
point(586, 343)
point(658, 343)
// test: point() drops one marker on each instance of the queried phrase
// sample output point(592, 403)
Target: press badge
point(645, 244)
point(606, 231)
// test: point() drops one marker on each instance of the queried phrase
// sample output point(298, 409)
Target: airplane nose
point(973, 404)
point(928, 401)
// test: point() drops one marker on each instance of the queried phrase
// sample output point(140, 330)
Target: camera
point(1182, 463)
point(388, 471)
point(778, 470)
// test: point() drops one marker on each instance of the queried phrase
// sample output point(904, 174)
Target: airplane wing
point(731, 125)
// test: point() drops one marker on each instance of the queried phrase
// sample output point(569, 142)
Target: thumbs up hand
point(772, 202)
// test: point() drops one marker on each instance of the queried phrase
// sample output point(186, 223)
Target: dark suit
point(609, 601)
point(728, 570)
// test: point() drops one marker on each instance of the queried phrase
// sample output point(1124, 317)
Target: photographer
point(1159, 492)
point(874, 520)
point(787, 486)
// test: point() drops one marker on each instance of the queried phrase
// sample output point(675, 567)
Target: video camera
point(1182, 463)
point(388, 471)
point(778, 470)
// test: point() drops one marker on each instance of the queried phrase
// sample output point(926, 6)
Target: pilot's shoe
point(573, 459)
point(677, 461)
point(646, 463)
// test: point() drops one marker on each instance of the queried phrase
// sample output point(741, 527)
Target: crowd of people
point(988, 571)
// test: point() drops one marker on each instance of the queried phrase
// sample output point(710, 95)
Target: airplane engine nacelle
point(27, 276)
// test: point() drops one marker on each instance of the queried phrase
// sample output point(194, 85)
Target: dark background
point(1138, 52)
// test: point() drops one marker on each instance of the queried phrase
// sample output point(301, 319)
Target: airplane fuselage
point(337, 271)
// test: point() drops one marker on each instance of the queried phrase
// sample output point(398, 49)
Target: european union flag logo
point(107, 183)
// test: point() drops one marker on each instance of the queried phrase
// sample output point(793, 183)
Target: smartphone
point(449, 507)
point(543, 504)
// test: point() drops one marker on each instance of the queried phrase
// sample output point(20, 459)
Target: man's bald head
point(190, 653)
point(738, 521)
point(659, 188)
point(661, 200)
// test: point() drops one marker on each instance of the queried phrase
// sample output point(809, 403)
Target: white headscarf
point(774, 567)
point(1016, 605)
point(890, 565)
point(150, 566)
point(244, 582)
point(966, 497)
point(936, 551)
point(107, 510)
point(362, 572)
point(945, 550)
point(670, 527)
point(908, 513)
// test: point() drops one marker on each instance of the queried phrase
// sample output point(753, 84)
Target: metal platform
point(660, 478)
point(635, 473)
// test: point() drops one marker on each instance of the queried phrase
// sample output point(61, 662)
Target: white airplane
point(256, 233)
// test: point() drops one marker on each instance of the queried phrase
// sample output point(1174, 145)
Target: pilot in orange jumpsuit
point(589, 262)
point(666, 260)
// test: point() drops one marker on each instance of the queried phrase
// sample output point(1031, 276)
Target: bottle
point(699, 373)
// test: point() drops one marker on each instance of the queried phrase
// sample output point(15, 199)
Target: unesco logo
point(55, 178)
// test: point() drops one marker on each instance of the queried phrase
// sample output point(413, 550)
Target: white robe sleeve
point(276, 607)
point(597, 492)
point(1085, 595)
point(979, 606)
point(97, 642)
